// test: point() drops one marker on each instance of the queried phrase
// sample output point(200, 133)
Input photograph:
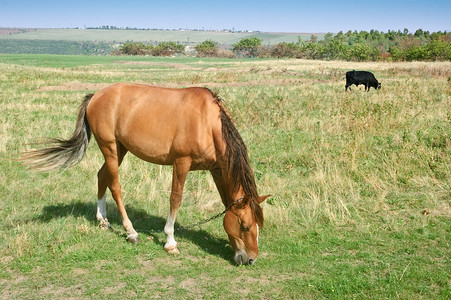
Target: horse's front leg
point(181, 169)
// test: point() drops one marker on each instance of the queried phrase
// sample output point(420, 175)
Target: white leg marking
point(171, 244)
point(133, 236)
point(101, 212)
point(101, 208)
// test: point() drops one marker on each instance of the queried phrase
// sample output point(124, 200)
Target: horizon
point(113, 27)
point(285, 16)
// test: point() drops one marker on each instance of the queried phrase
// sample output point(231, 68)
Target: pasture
point(360, 185)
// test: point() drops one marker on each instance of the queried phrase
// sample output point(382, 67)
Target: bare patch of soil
point(188, 284)
point(9, 290)
point(112, 290)
point(54, 292)
point(80, 271)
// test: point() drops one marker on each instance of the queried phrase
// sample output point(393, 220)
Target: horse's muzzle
point(241, 258)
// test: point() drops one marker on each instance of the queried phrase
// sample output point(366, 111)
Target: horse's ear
point(262, 198)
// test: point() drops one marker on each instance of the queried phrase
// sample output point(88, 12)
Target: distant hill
point(103, 41)
point(121, 35)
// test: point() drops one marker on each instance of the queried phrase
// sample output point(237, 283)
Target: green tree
point(207, 48)
point(313, 50)
point(337, 49)
point(247, 46)
point(361, 52)
point(397, 54)
point(419, 33)
point(417, 53)
point(328, 36)
point(439, 50)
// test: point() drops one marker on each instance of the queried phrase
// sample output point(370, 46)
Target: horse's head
point(242, 223)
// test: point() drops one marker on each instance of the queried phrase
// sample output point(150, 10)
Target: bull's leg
point(180, 170)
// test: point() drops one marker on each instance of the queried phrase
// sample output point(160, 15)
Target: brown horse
point(187, 128)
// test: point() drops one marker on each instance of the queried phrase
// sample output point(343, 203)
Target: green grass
point(360, 185)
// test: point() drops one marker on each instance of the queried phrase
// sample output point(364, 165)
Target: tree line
point(352, 45)
point(140, 48)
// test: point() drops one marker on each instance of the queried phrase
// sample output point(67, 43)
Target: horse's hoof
point(172, 250)
point(104, 224)
point(133, 239)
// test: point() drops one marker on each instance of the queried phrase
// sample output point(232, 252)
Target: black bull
point(361, 77)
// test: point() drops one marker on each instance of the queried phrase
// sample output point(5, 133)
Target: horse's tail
point(60, 153)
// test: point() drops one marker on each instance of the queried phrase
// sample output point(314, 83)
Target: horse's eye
point(247, 228)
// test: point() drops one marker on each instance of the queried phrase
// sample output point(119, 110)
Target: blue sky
point(272, 16)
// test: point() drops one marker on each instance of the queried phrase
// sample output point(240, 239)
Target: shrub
point(207, 48)
point(336, 49)
point(439, 50)
point(168, 49)
point(362, 52)
point(313, 50)
point(135, 49)
point(247, 47)
point(416, 53)
point(224, 53)
point(286, 50)
point(397, 54)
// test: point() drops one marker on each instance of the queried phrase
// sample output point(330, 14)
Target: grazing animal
point(361, 77)
point(187, 128)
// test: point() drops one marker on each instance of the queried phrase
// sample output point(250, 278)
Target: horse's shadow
point(143, 223)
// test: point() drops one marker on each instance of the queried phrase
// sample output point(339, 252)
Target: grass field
point(229, 38)
point(360, 185)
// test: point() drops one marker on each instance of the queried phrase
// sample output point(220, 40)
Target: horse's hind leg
point(101, 210)
point(108, 176)
point(101, 215)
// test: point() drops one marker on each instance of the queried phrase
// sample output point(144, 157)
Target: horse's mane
point(237, 161)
